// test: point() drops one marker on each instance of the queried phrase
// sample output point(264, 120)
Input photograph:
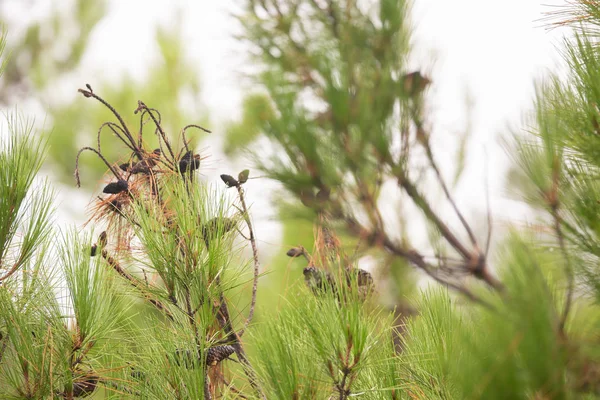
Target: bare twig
point(255, 256)
point(420, 202)
point(115, 173)
point(14, 268)
point(114, 128)
point(224, 319)
point(89, 93)
point(142, 106)
point(552, 199)
point(411, 256)
point(442, 183)
point(185, 128)
point(135, 283)
point(489, 210)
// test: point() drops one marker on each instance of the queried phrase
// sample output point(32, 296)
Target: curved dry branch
point(420, 202)
point(115, 173)
point(114, 128)
point(150, 111)
point(440, 178)
point(412, 256)
point(185, 128)
point(90, 93)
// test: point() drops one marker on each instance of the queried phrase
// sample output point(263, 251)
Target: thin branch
point(413, 257)
point(568, 271)
point(14, 268)
point(425, 143)
point(185, 128)
point(115, 173)
point(489, 210)
point(447, 192)
point(142, 106)
point(224, 319)
point(112, 126)
point(420, 202)
point(89, 93)
point(135, 283)
point(255, 256)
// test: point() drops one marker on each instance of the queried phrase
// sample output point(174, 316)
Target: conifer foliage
point(159, 301)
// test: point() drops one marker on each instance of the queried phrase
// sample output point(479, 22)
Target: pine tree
point(148, 307)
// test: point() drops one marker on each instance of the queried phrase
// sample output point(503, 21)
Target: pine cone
point(189, 162)
point(318, 280)
point(295, 252)
point(85, 387)
point(216, 354)
point(116, 187)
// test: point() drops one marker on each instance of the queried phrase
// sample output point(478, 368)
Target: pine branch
point(135, 283)
point(255, 257)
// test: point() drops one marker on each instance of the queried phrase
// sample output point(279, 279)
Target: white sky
point(495, 49)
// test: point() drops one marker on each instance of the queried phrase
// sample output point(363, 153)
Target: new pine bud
point(243, 176)
point(229, 180)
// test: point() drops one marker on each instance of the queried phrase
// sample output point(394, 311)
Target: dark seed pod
point(317, 280)
point(295, 252)
point(140, 168)
point(414, 83)
point(323, 195)
point(116, 187)
point(115, 205)
point(189, 162)
point(87, 85)
point(307, 198)
point(243, 176)
point(125, 167)
point(216, 354)
point(102, 239)
point(85, 387)
point(364, 278)
point(229, 180)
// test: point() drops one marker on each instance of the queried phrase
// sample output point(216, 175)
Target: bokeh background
point(182, 58)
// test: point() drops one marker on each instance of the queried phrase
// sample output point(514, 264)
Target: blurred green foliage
point(39, 62)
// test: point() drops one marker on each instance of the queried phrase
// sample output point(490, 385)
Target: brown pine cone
point(216, 354)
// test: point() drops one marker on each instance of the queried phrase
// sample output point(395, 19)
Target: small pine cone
point(295, 252)
point(216, 354)
point(102, 239)
point(85, 387)
point(364, 278)
point(116, 187)
point(318, 280)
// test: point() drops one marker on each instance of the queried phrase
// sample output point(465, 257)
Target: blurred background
point(182, 58)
